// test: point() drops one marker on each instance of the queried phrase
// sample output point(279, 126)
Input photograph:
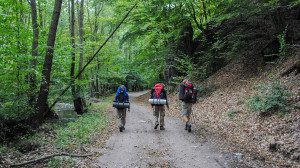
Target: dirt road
point(140, 145)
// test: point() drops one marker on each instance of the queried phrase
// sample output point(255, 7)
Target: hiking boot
point(121, 129)
point(156, 125)
point(190, 128)
point(162, 128)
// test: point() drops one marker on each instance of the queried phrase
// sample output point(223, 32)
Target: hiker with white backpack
point(158, 101)
point(121, 102)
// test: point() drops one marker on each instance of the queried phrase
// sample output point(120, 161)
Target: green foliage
point(272, 3)
point(104, 106)
point(136, 55)
point(16, 110)
point(186, 66)
point(283, 44)
point(2, 148)
point(232, 112)
point(205, 91)
point(294, 3)
point(61, 162)
point(79, 132)
point(271, 98)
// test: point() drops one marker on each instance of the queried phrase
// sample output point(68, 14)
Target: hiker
point(188, 95)
point(158, 99)
point(121, 103)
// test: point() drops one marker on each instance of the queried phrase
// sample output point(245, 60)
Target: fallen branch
point(50, 156)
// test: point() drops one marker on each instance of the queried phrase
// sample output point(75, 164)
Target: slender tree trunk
point(97, 90)
point(92, 85)
point(41, 17)
point(193, 14)
point(204, 10)
point(43, 107)
point(95, 32)
point(34, 52)
point(21, 12)
point(81, 33)
point(77, 105)
point(80, 101)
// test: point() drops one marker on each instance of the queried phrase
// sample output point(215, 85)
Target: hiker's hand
point(168, 108)
point(128, 110)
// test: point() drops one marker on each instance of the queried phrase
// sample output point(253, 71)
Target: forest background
point(45, 45)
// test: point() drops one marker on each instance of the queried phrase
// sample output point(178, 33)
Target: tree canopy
point(155, 44)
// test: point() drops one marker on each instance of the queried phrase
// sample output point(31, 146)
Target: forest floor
point(219, 138)
point(140, 145)
point(270, 140)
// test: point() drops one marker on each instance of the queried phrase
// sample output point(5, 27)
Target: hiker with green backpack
point(188, 95)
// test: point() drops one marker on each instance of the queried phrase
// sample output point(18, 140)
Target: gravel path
point(142, 146)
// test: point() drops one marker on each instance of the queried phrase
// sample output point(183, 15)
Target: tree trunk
point(34, 52)
point(43, 107)
point(204, 10)
point(77, 102)
point(21, 12)
point(92, 84)
point(80, 101)
point(41, 17)
point(81, 33)
point(96, 27)
point(97, 90)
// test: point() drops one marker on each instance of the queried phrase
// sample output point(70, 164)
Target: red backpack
point(188, 93)
point(157, 92)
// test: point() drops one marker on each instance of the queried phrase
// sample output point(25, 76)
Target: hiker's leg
point(123, 117)
point(189, 112)
point(162, 116)
point(155, 114)
point(119, 117)
point(186, 118)
point(184, 111)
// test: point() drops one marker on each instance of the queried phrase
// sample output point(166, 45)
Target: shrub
point(232, 112)
point(271, 98)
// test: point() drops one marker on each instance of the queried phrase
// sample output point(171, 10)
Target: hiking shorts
point(186, 109)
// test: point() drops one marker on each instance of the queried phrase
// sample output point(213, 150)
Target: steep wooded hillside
point(273, 139)
point(253, 101)
point(255, 38)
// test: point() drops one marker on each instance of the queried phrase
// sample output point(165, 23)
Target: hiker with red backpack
point(188, 95)
point(158, 99)
point(121, 102)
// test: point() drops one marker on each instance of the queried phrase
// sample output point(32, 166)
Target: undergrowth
point(68, 137)
point(271, 98)
point(80, 131)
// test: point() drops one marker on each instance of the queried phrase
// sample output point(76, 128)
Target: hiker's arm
point(127, 97)
point(116, 96)
point(166, 99)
